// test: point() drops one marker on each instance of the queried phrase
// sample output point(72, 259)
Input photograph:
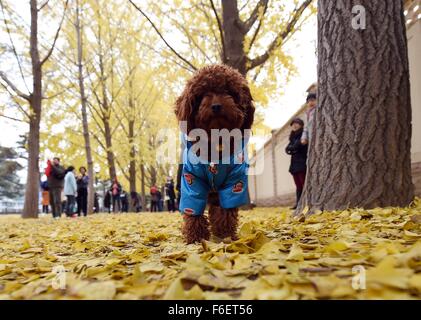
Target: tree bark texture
point(30, 209)
point(83, 99)
point(234, 37)
point(361, 141)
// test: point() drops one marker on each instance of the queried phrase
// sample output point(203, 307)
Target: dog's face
point(217, 97)
point(219, 111)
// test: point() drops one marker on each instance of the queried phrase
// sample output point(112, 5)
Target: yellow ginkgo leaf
point(385, 273)
point(295, 253)
point(175, 291)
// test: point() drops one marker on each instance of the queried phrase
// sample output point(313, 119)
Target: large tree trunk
point(91, 190)
point(234, 36)
point(360, 147)
point(30, 209)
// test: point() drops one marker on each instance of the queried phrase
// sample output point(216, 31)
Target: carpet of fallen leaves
point(355, 254)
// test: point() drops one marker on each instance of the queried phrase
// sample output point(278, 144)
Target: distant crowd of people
point(67, 191)
point(157, 201)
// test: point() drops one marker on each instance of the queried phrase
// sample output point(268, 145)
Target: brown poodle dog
point(217, 97)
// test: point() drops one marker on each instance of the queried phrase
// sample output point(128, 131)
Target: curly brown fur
point(217, 97)
point(224, 222)
point(195, 228)
point(216, 84)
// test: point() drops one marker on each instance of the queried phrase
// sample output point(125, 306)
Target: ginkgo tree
point(247, 35)
point(112, 78)
point(125, 100)
point(28, 100)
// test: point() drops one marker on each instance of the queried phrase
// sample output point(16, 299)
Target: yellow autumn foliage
point(353, 254)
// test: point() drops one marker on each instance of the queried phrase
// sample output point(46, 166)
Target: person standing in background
point(298, 153)
point(115, 191)
point(311, 114)
point(124, 201)
point(70, 191)
point(170, 194)
point(45, 197)
point(96, 202)
point(55, 174)
point(107, 201)
point(160, 200)
point(135, 201)
point(154, 198)
point(82, 181)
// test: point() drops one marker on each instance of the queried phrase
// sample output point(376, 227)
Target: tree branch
point(13, 45)
point(191, 39)
point(92, 109)
point(101, 144)
point(14, 88)
point(43, 5)
point(162, 37)
point(221, 32)
point(203, 8)
point(277, 42)
point(16, 102)
point(122, 169)
point(11, 118)
point(254, 37)
point(255, 14)
point(56, 35)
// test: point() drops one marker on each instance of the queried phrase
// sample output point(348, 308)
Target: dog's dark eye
point(197, 102)
point(235, 97)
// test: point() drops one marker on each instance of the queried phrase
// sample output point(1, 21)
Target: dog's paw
point(195, 229)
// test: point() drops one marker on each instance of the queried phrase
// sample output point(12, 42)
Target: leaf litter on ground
point(352, 254)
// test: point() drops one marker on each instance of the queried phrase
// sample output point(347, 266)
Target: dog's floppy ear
point(247, 102)
point(184, 110)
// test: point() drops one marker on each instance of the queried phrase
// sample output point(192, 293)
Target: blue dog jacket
point(200, 177)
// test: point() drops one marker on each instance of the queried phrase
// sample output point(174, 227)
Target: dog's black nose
point(216, 108)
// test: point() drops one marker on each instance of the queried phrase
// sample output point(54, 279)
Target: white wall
point(414, 51)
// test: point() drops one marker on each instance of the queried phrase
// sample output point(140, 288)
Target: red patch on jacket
point(238, 187)
point(212, 168)
point(189, 178)
point(189, 211)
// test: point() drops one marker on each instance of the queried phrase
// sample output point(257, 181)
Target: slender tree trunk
point(142, 172)
point(153, 175)
point(30, 209)
point(106, 112)
point(131, 136)
point(360, 146)
point(109, 146)
point(86, 136)
point(132, 165)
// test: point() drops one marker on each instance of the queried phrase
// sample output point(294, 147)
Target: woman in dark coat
point(107, 201)
point(82, 192)
point(298, 153)
point(170, 194)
